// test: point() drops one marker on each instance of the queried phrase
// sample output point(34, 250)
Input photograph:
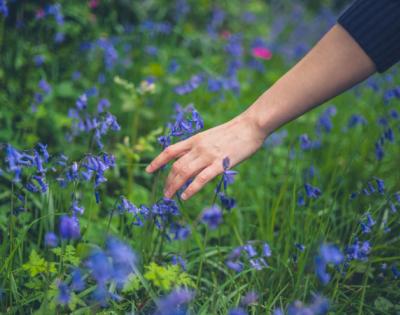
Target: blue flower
point(100, 267)
point(69, 227)
point(328, 254)
point(64, 293)
point(174, 303)
point(237, 311)
point(355, 120)
point(250, 298)
point(76, 208)
point(381, 185)
point(81, 102)
point(312, 192)
point(3, 8)
point(358, 251)
point(77, 281)
point(212, 216)
point(51, 239)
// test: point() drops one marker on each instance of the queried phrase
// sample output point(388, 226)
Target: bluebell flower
point(38, 60)
point(192, 84)
point(100, 267)
point(77, 281)
point(3, 8)
point(124, 260)
point(178, 260)
point(103, 105)
point(69, 227)
point(173, 66)
point(227, 202)
point(175, 303)
point(76, 208)
point(300, 200)
point(328, 254)
point(355, 120)
point(251, 297)
point(307, 144)
point(258, 263)
point(324, 122)
point(395, 271)
point(381, 185)
point(101, 295)
point(275, 139)
point(278, 311)
point(40, 179)
point(312, 192)
point(251, 252)
point(81, 102)
point(44, 86)
point(368, 224)
point(151, 50)
point(51, 239)
point(212, 216)
point(228, 176)
point(379, 152)
point(358, 250)
point(59, 37)
point(234, 45)
point(64, 293)
point(266, 250)
point(300, 247)
point(237, 311)
point(394, 114)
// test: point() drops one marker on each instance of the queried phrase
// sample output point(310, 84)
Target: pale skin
point(335, 64)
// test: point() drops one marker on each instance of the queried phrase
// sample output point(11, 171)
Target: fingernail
point(148, 169)
point(184, 196)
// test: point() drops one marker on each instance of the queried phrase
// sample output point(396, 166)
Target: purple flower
point(328, 254)
point(51, 239)
point(175, 302)
point(266, 250)
point(250, 298)
point(237, 311)
point(77, 281)
point(64, 293)
point(212, 216)
point(100, 267)
point(38, 60)
point(358, 251)
point(69, 227)
point(76, 208)
point(3, 8)
point(381, 185)
point(44, 86)
point(103, 105)
point(81, 102)
point(355, 120)
point(312, 192)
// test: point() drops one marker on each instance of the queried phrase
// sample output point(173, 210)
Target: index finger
point(168, 154)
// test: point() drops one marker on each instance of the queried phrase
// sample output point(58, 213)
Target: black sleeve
point(375, 26)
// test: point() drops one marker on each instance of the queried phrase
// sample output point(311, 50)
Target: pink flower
point(40, 14)
point(225, 34)
point(93, 4)
point(261, 52)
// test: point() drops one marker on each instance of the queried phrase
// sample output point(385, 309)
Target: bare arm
point(335, 64)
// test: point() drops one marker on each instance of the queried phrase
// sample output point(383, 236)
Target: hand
point(200, 157)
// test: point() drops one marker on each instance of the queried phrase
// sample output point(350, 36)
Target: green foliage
point(37, 265)
point(167, 277)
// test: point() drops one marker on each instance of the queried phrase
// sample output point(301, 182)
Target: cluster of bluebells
point(109, 269)
point(187, 121)
point(100, 123)
point(192, 84)
point(318, 306)
point(248, 254)
point(35, 163)
point(55, 11)
point(387, 135)
point(164, 214)
point(90, 167)
point(311, 192)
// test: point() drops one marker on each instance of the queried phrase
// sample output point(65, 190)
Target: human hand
point(200, 157)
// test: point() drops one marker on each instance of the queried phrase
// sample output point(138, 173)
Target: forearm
point(335, 64)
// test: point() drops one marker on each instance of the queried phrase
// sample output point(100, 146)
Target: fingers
point(182, 170)
point(168, 154)
point(201, 179)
